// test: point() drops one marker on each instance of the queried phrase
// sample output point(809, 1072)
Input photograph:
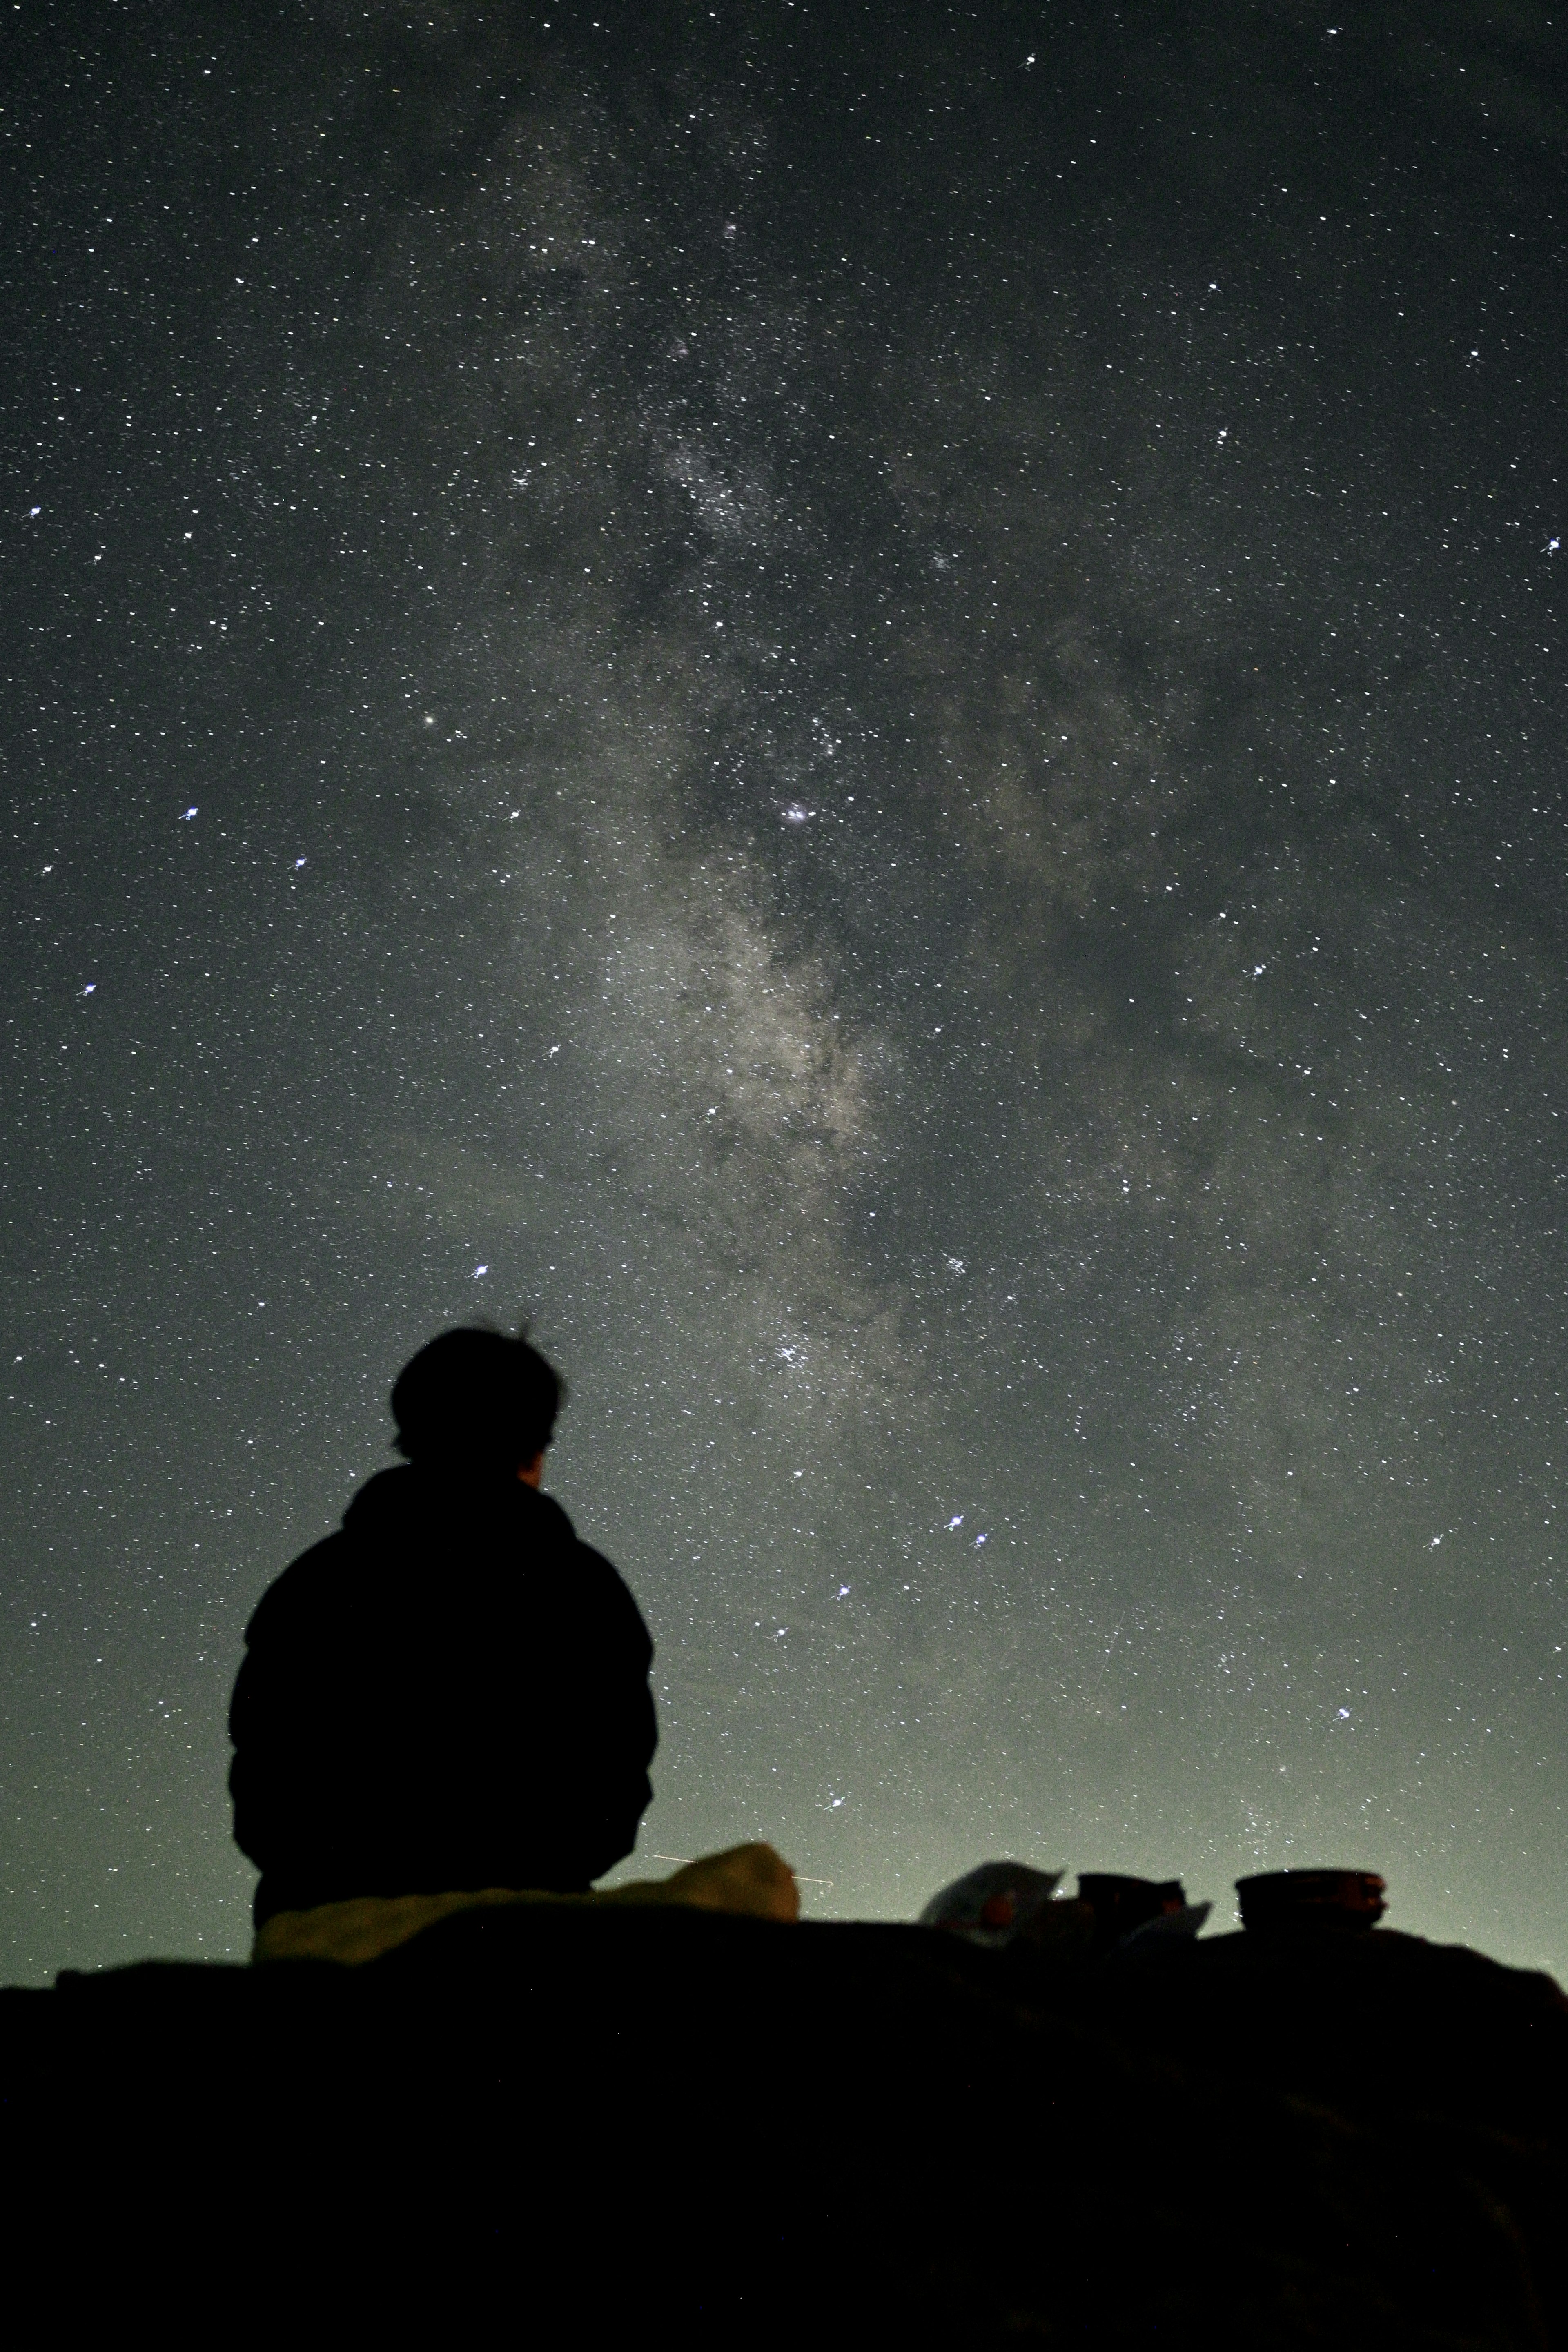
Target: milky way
point(866, 706)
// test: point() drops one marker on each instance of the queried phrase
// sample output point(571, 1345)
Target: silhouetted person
point(451, 1692)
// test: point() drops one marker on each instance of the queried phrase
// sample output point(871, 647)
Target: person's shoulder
point(540, 1517)
point(598, 1586)
point(300, 1583)
point(547, 1525)
point(321, 1577)
point(384, 1505)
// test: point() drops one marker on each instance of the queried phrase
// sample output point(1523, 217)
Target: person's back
point(452, 1691)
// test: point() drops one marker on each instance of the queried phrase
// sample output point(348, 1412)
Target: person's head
point(476, 1400)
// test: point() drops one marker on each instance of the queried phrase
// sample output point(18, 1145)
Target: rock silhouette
point(589, 2123)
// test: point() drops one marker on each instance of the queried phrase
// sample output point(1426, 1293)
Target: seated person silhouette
point(451, 1692)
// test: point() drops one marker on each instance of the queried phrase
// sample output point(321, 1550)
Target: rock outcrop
point(580, 2125)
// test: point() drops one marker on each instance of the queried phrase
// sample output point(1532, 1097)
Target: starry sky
point(865, 705)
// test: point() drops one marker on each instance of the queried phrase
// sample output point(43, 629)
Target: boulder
point(585, 2124)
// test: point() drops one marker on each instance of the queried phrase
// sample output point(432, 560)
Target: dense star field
point(865, 705)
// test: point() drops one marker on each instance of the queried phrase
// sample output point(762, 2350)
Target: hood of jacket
point(396, 1501)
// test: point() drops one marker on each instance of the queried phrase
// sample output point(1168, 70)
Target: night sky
point(865, 705)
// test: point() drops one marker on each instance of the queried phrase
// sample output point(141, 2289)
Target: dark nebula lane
point(866, 707)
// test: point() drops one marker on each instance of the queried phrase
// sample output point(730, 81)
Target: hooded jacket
point(451, 1692)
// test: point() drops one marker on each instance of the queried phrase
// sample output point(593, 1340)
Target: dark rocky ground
point(599, 2126)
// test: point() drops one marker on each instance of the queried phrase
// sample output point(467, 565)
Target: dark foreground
point(561, 2126)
